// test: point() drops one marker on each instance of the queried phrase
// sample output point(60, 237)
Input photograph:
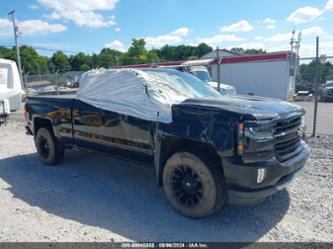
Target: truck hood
point(258, 107)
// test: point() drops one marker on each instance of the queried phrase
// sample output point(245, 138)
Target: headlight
point(303, 123)
point(302, 128)
point(257, 131)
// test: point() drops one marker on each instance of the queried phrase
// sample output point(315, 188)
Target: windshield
point(203, 75)
point(183, 83)
point(329, 84)
point(228, 91)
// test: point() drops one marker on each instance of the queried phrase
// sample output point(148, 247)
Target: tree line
point(33, 63)
point(309, 73)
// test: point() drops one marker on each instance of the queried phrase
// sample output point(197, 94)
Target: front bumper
point(242, 183)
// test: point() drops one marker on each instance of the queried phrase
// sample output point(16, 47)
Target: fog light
point(261, 175)
point(240, 149)
point(240, 146)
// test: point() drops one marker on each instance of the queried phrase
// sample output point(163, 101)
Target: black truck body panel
point(209, 125)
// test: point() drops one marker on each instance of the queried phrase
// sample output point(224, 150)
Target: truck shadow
point(123, 198)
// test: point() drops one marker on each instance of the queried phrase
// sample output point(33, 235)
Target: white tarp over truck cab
point(147, 94)
point(128, 91)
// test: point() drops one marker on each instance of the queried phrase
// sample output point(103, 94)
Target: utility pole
point(316, 92)
point(297, 46)
point(218, 69)
point(292, 41)
point(16, 34)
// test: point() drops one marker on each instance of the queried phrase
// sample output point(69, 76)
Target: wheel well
point(42, 123)
point(171, 146)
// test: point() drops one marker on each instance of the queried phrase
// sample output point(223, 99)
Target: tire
point(48, 148)
point(194, 184)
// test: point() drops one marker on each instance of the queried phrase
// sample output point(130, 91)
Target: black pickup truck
point(216, 150)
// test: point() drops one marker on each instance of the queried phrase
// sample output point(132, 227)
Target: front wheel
point(194, 184)
point(48, 148)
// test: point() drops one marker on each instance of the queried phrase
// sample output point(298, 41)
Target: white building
point(267, 75)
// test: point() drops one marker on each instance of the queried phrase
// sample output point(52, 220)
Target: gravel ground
point(94, 198)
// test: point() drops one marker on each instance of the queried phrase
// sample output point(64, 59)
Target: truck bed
point(55, 110)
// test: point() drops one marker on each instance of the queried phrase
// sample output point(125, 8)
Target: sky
point(90, 25)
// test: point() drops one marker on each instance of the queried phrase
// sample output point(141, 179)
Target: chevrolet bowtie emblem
point(300, 133)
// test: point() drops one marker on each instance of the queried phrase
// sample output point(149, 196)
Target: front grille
point(287, 124)
point(288, 142)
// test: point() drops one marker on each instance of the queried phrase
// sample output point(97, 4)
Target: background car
point(202, 73)
point(327, 93)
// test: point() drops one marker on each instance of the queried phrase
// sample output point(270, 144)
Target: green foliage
point(308, 72)
point(136, 54)
point(248, 51)
point(77, 61)
point(255, 51)
point(32, 62)
point(183, 52)
point(152, 57)
point(107, 58)
point(44, 62)
point(7, 53)
point(203, 49)
point(60, 61)
point(84, 67)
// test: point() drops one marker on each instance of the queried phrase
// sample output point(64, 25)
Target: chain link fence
point(314, 92)
point(60, 83)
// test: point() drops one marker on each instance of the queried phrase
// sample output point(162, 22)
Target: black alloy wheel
point(187, 186)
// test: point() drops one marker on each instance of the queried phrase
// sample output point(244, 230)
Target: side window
point(3, 76)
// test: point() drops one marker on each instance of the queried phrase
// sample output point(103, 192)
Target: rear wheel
point(48, 148)
point(194, 184)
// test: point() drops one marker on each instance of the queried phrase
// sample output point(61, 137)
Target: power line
point(295, 45)
point(40, 48)
point(52, 49)
point(6, 45)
